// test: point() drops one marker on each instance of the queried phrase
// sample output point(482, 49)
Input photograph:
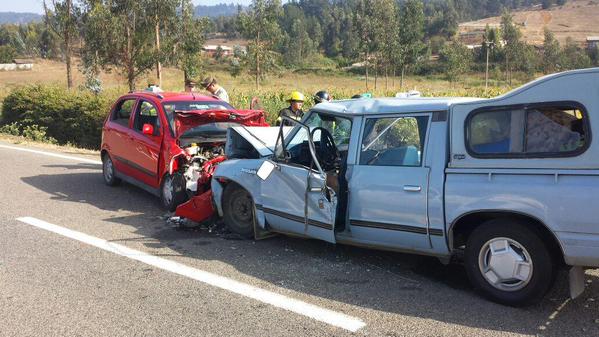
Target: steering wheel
point(327, 153)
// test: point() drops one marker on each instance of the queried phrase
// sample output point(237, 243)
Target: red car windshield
point(171, 107)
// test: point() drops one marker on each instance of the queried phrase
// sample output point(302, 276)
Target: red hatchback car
point(168, 143)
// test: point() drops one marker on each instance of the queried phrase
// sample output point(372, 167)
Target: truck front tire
point(238, 211)
point(509, 263)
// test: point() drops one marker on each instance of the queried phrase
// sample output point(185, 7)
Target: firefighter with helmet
point(294, 110)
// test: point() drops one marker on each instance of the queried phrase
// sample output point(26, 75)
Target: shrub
point(12, 129)
point(7, 54)
point(33, 132)
point(67, 116)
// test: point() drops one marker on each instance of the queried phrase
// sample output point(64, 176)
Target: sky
point(35, 6)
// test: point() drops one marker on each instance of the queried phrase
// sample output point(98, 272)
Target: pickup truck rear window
point(528, 131)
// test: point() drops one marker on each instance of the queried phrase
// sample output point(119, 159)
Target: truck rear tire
point(238, 211)
point(509, 263)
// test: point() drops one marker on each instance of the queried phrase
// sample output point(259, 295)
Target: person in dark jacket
point(294, 110)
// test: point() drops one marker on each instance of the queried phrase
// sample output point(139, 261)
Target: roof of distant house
point(215, 47)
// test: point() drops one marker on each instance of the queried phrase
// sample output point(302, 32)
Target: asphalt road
point(53, 285)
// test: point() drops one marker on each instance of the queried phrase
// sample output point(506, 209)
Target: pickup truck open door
point(296, 199)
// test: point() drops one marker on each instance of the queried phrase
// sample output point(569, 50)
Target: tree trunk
point(376, 71)
point(393, 77)
point(403, 70)
point(366, 65)
point(67, 45)
point(158, 65)
point(257, 60)
point(129, 60)
point(386, 79)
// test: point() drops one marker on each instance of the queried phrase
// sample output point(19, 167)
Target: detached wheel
point(509, 263)
point(108, 171)
point(172, 191)
point(238, 211)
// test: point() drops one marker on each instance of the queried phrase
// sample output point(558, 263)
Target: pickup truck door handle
point(412, 188)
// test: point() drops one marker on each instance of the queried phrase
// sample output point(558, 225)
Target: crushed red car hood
point(186, 120)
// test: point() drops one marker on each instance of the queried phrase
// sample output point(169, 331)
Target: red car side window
point(122, 112)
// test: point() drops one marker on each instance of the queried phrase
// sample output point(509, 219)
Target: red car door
point(117, 133)
point(144, 151)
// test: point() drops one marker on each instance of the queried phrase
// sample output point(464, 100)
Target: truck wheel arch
point(465, 224)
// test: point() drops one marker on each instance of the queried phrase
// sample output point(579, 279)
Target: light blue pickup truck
point(510, 184)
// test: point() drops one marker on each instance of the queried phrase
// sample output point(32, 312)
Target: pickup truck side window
point(394, 141)
point(123, 111)
point(533, 131)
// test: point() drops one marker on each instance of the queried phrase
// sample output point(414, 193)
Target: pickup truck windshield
point(340, 129)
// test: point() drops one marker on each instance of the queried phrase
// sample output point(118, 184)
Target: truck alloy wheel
point(508, 262)
point(238, 211)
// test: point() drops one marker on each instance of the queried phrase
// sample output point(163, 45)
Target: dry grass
point(53, 72)
point(576, 19)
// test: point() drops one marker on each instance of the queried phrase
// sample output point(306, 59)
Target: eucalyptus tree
point(62, 18)
point(118, 35)
point(259, 24)
point(412, 48)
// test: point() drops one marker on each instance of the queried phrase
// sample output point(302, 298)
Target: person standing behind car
point(209, 83)
point(294, 110)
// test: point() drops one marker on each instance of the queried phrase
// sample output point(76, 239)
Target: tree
point(161, 14)
point(364, 22)
point(551, 53)
point(386, 36)
point(189, 40)
point(259, 24)
point(119, 34)
point(594, 56)
point(572, 57)
point(411, 35)
point(7, 53)
point(62, 18)
point(455, 58)
point(511, 36)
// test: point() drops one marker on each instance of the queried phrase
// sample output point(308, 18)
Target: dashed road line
point(280, 301)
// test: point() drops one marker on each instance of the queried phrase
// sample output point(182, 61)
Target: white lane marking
point(52, 154)
point(306, 309)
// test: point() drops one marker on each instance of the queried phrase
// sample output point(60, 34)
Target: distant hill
point(19, 18)
point(576, 19)
point(216, 10)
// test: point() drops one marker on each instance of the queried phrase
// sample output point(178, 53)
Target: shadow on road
point(387, 282)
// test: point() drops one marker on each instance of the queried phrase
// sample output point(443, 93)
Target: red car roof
point(178, 96)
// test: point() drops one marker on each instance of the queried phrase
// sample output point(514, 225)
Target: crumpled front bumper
point(198, 208)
